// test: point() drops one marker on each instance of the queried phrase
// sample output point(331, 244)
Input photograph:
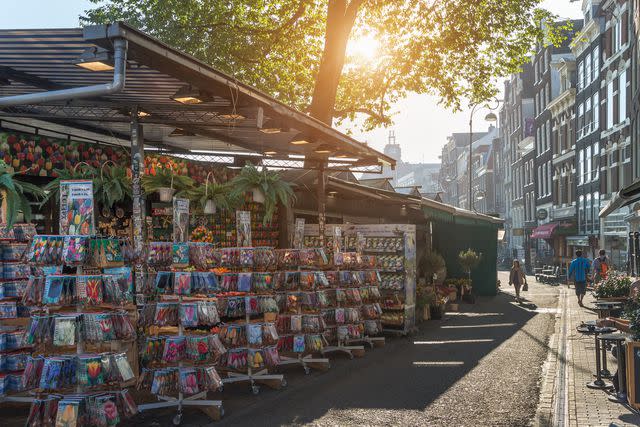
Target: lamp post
point(478, 195)
point(491, 117)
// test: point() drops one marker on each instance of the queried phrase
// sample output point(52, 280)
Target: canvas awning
point(544, 231)
point(628, 195)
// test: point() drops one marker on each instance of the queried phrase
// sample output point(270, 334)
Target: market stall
point(110, 106)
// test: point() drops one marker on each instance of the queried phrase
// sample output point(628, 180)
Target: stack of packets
point(95, 409)
point(59, 289)
point(63, 330)
point(189, 380)
point(185, 283)
point(173, 349)
point(188, 314)
point(87, 370)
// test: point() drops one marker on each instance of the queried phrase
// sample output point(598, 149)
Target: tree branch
point(346, 111)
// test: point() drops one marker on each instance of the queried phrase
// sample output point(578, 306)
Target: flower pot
point(258, 195)
point(166, 194)
point(436, 311)
point(426, 312)
point(210, 207)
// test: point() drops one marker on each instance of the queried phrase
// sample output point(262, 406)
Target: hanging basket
point(210, 207)
point(258, 195)
point(166, 193)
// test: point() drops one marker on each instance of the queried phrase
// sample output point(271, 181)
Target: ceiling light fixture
point(190, 95)
point(323, 149)
point(270, 153)
point(95, 59)
point(181, 132)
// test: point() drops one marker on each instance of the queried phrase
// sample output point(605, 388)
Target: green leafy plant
point(112, 186)
point(14, 192)
point(220, 194)
point(425, 295)
point(432, 263)
point(165, 178)
point(81, 171)
point(616, 285)
point(269, 183)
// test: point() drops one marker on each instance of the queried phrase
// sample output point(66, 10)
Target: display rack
point(84, 310)
point(175, 289)
point(394, 245)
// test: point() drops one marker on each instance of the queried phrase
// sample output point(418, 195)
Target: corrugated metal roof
point(43, 59)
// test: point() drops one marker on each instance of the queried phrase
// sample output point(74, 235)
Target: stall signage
point(243, 228)
point(77, 207)
point(298, 234)
point(180, 220)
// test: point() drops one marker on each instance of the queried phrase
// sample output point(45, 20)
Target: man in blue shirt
point(578, 272)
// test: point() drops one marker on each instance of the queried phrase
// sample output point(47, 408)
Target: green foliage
point(616, 285)
point(164, 178)
point(468, 260)
point(112, 186)
point(81, 171)
point(425, 295)
point(432, 263)
point(275, 190)
point(15, 193)
point(453, 49)
point(220, 194)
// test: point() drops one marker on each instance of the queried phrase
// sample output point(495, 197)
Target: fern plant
point(220, 194)
point(269, 183)
point(165, 178)
point(14, 192)
point(112, 186)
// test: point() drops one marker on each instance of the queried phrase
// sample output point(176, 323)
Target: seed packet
point(255, 358)
point(67, 415)
point(189, 381)
point(254, 334)
point(296, 323)
point(174, 349)
point(340, 316)
point(107, 410)
point(182, 283)
point(244, 282)
point(124, 278)
point(209, 379)
point(124, 369)
point(188, 314)
point(52, 290)
point(298, 344)
point(164, 281)
point(180, 254)
point(251, 305)
point(271, 356)
point(93, 286)
point(64, 333)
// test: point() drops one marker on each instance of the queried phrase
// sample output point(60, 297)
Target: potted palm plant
point(468, 260)
point(167, 184)
point(267, 188)
point(14, 195)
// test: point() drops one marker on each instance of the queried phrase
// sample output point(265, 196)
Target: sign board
point(243, 228)
point(180, 220)
point(542, 214)
point(298, 234)
point(77, 207)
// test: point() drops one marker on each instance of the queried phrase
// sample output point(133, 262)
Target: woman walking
point(517, 278)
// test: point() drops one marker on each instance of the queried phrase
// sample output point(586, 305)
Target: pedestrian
point(600, 266)
point(517, 278)
point(578, 273)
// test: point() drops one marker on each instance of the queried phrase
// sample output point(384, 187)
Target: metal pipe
point(116, 85)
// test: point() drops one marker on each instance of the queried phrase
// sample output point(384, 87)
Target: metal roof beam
point(29, 79)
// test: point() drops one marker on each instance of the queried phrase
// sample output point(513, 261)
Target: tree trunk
point(341, 15)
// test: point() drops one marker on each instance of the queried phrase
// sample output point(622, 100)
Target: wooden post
point(322, 204)
point(138, 220)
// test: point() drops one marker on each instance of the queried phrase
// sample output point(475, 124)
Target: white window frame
point(622, 96)
point(610, 104)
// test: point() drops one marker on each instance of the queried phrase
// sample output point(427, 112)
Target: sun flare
point(365, 47)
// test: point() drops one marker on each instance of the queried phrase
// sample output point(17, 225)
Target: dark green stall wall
point(449, 238)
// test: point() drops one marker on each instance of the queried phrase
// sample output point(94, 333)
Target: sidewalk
point(565, 399)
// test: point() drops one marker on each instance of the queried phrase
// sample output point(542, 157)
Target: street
point(481, 366)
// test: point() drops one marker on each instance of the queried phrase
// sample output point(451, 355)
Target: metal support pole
point(322, 204)
point(636, 251)
point(470, 202)
point(631, 256)
point(137, 171)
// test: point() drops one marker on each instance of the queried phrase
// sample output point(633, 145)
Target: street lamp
point(491, 117)
point(478, 195)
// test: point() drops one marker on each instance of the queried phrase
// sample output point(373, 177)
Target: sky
point(421, 126)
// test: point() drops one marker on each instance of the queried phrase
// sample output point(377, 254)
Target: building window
point(617, 34)
point(587, 169)
point(526, 172)
point(595, 172)
point(622, 96)
point(580, 126)
point(581, 213)
point(539, 181)
point(596, 211)
point(547, 130)
point(610, 105)
point(549, 178)
point(580, 75)
point(588, 116)
point(588, 213)
point(596, 111)
point(596, 63)
point(581, 167)
point(587, 70)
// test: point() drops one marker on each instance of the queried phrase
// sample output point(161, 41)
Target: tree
point(297, 50)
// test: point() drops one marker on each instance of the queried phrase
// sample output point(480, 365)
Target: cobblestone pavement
point(575, 404)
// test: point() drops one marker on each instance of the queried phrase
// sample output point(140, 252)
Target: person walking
point(578, 273)
point(517, 278)
point(600, 266)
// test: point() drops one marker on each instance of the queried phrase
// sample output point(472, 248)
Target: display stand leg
point(373, 342)
point(17, 399)
point(350, 350)
point(274, 381)
point(307, 362)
